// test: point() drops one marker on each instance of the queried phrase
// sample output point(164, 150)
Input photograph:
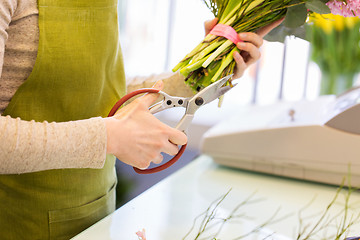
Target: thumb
point(159, 85)
point(209, 25)
point(150, 98)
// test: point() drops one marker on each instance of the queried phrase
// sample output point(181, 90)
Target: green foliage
point(295, 19)
point(296, 15)
point(281, 32)
point(317, 6)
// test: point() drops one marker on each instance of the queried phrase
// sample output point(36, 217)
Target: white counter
point(167, 210)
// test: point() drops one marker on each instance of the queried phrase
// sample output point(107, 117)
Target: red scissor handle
point(124, 99)
point(128, 96)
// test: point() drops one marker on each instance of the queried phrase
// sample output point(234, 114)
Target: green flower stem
point(240, 10)
point(188, 69)
point(218, 51)
point(211, 71)
point(253, 5)
point(224, 63)
point(189, 56)
point(181, 64)
point(225, 19)
point(208, 50)
point(230, 21)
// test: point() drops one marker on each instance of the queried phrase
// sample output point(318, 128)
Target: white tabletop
point(168, 210)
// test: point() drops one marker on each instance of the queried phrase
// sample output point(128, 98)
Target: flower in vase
point(335, 48)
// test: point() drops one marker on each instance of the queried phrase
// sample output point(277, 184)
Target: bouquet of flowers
point(212, 59)
point(335, 49)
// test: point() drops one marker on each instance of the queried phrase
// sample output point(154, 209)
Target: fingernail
point(241, 44)
point(243, 35)
point(236, 55)
point(158, 84)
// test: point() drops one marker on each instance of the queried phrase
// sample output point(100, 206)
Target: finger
point(210, 24)
point(158, 85)
point(143, 166)
point(254, 52)
point(252, 38)
point(158, 159)
point(240, 65)
point(177, 137)
point(149, 98)
point(265, 30)
point(171, 149)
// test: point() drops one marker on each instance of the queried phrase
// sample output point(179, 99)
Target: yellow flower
point(328, 22)
point(339, 22)
point(325, 22)
point(351, 21)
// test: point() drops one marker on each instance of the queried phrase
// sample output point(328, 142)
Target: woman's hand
point(137, 138)
point(250, 47)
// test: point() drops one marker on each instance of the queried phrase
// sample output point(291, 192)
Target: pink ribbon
point(226, 31)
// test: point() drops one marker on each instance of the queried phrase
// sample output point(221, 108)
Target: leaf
point(279, 33)
point(296, 15)
point(317, 6)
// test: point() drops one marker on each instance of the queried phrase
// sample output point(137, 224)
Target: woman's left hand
point(249, 47)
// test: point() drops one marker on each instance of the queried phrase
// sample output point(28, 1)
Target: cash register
point(317, 140)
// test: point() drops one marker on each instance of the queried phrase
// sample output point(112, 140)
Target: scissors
point(192, 104)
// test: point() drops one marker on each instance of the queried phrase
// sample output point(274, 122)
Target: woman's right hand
point(137, 138)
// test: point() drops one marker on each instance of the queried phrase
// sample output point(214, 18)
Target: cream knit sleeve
point(173, 84)
point(7, 9)
point(29, 146)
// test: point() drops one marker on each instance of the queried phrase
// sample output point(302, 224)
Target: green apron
point(78, 74)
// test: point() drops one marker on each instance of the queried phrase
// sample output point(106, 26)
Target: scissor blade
point(185, 122)
point(215, 90)
point(207, 95)
point(220, 92)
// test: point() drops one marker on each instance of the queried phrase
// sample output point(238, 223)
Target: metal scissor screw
point(199, 101)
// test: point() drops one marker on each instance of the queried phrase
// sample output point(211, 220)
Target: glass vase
point(336, 83)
